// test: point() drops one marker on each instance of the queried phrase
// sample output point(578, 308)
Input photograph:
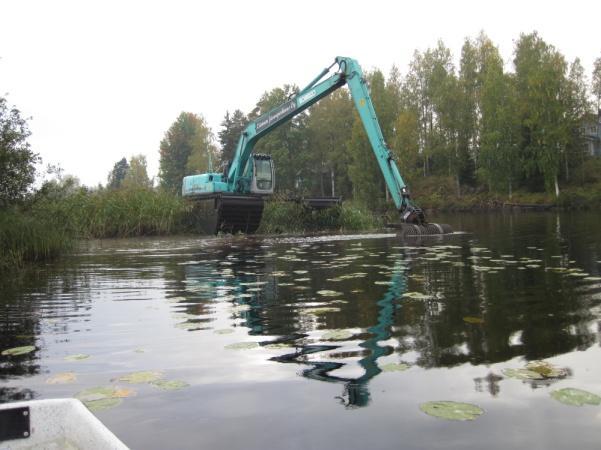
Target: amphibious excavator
point(232, 201)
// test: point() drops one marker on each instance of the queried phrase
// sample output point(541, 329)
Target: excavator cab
point(263, 178)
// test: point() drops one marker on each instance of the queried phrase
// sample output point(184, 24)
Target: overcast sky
point(105, 79)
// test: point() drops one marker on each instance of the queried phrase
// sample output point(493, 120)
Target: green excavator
point(233, 201)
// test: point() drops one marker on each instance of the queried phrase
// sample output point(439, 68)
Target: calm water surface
point(314, 322)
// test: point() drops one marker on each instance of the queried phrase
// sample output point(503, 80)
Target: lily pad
point(575, 397)
point(15, 351)
point(242, 346)
point(141, 377)
point(472, 319)
point(522, 374)
point(278, 345)
point(103, 397)
point(170, 385)
point(103, 403)
point(62, 378)
point(328, 293)
point(187, 326)
point(76, 357)
point(546, 369)
point(417, 296)
point(592, 279)
point(452, 410)
point(224, 331)
point(240, 308)
point(394, 367)
point(337, 335)
point(323, 310)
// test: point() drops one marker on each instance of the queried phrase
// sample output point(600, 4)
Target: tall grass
point(29, 237)
point(290, 217)
point(125, 213)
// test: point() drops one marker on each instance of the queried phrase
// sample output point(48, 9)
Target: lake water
point(324, 341)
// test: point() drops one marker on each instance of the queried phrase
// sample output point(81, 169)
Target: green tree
point(406, 144)
point(117, 175)
point(137, 175)
point(500, 162)
point(183, 150)
point(540, 80)
point(233, 125)
point(596, 81)
point(328, 128)
point(577, 106)
point(17, 160)
point(431, 90)
point(205, 154)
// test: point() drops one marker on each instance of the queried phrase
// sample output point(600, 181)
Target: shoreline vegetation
point(50, 222)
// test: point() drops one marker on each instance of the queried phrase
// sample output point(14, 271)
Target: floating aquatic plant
point(322, 310)
point(187, 326)
point(147, 376)
point(522, 374)
point(62, 378)
point(451, 410)
point(337, 335)
point(240, 308)
point(417, 296)
point(278, 345)
point(103, 397)
point(170, 385)
point(76, 357)
point(575, 397)
point(473, 320)
point(536, 370)
point(546, 369)
point(16, 351)
point(224, 331)
point(242, 346)
point(328, 293)
point(394, 367)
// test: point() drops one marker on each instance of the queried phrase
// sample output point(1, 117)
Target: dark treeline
point(484, 127)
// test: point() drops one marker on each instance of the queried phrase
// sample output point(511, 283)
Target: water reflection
point(517, 287)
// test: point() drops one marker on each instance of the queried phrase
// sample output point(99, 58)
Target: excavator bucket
point(424, 229)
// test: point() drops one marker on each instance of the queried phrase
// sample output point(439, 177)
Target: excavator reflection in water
point(356, 390)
